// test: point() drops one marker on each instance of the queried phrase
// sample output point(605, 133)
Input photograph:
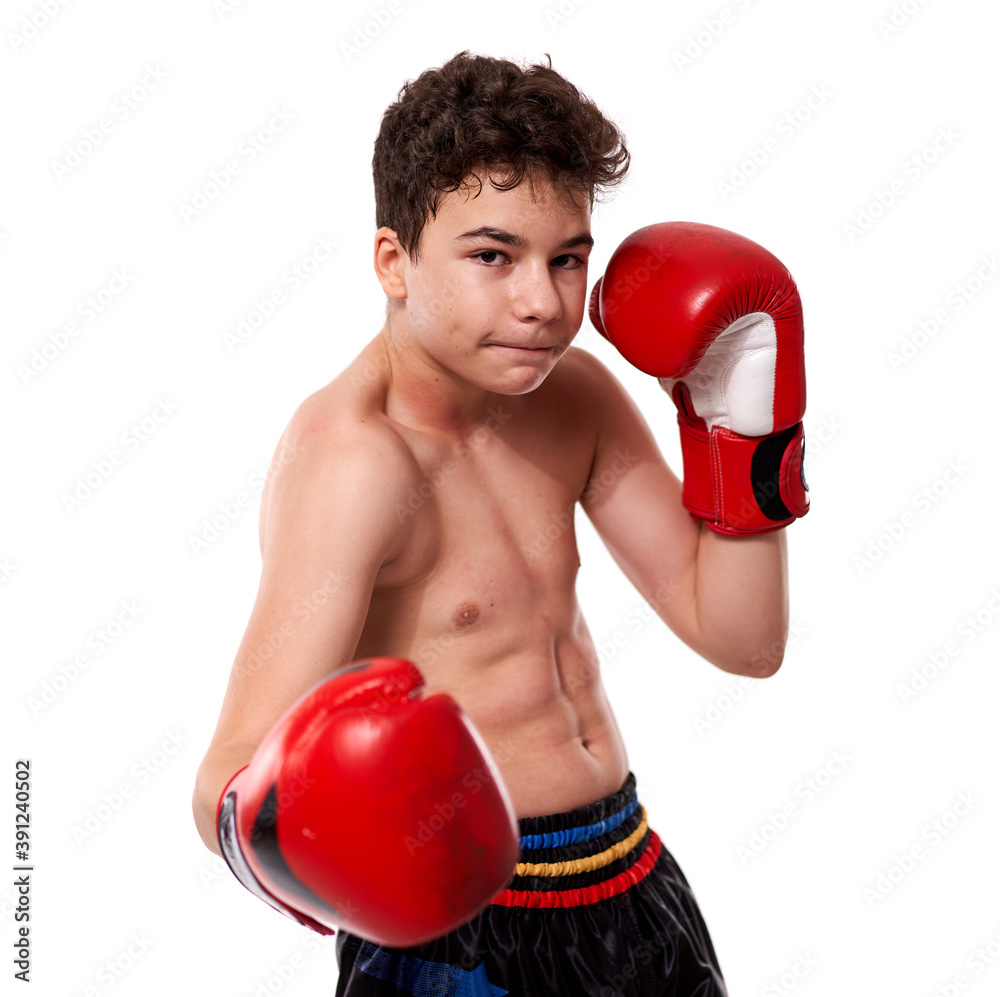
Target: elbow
point(203, 809)
point(760, 664)
point(763, 669)
point(766, 661)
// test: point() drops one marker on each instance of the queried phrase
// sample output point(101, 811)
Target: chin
point(528, 382)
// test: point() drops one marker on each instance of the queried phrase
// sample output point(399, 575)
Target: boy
point(428, 475)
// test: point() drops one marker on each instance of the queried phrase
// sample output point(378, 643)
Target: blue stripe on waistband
point(573, 835)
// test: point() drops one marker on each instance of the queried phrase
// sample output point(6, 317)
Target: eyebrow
point(510, 239)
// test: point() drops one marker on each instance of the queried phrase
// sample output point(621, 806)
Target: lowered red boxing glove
point(718, 320)
point(371, 808)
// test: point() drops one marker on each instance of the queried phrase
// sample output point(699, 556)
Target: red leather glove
point(717, 318)
point(372, 808)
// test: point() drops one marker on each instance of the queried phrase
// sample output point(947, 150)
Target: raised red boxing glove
point(372, 808)
point(717, 318)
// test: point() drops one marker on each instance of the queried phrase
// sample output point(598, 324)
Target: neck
point(425, 395)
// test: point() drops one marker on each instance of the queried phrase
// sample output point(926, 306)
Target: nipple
point(465, 615)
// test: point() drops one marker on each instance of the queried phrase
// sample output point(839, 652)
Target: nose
point(535, 295)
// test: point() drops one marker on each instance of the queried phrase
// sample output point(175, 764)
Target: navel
point(466, 613)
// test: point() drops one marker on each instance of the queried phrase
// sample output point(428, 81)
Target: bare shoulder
point(338, 443)
point(341, 420)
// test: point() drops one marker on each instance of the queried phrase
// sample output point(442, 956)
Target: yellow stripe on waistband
point(589, 863)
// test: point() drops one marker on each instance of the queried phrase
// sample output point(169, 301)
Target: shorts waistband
point(582, 856)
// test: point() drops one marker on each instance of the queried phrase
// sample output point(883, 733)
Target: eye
point(490, 257)
point(567, 262)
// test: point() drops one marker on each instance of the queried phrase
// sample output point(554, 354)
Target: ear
point(391, 263)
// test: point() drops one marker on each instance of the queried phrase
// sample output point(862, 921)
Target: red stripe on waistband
point(588, 894)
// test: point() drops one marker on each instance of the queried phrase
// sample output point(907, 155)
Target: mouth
point(527, 350)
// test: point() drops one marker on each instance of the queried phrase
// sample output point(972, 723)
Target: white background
point(139, 890)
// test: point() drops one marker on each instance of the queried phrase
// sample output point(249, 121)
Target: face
point(499, 289)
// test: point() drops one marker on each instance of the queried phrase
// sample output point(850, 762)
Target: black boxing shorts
point(597, 908)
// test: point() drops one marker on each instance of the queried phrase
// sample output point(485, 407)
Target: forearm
point(741, 601)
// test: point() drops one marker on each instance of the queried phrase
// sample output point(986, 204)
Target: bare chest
point(492, 554)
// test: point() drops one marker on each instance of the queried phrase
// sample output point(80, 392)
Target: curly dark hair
point(480, 113)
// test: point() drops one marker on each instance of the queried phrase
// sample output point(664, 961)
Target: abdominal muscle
point(535, 695)
point(555, 754)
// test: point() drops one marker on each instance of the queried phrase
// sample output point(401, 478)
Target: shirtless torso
point(481, 594)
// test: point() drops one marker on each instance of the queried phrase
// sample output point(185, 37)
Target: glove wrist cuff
point(741, 485)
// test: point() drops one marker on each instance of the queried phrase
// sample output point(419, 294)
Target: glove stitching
point(717, 475)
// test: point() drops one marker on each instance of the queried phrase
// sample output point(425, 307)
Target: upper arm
point(329, 522)
point(633, 499)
